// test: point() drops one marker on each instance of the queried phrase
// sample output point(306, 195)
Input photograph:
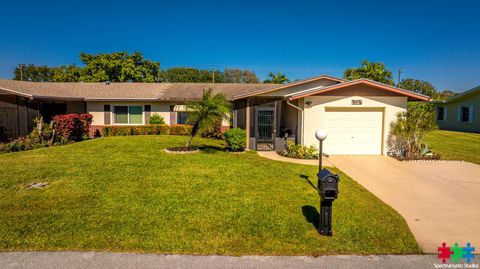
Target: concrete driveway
point(439, 200)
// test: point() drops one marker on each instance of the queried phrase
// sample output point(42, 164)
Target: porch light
point(309, 104)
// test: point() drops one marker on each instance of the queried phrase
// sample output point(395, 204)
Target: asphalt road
point(74, 260)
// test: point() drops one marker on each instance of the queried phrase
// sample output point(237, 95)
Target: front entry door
point(265, 129)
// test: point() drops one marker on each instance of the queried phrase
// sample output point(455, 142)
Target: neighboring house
point(460, 113)
point(356, 114)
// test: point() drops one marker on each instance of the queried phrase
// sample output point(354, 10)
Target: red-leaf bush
point(72, 127)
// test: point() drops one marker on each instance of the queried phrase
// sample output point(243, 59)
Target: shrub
point(213, 131)
point(299, 151)
point(72, 127)
point(41, 136)
point(236, 139)
point(180, 129)
point(156, 119)
point(405, 140)
point(135, 130)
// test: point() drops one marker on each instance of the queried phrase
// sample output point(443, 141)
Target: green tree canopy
point(418, 86)
point(30, 72)
point(278, 78)
point(370, 70)
point(239, 76)
point(118, 67)
point(188, 74)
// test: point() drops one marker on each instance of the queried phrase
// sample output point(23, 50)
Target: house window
point(440, 113)
point(465, 114)
point(182, 117)
point(128, 115)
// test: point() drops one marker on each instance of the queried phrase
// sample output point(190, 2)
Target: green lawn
point(126, 194)
point(455, 145)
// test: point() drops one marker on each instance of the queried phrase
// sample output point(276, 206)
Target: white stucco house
point(356, 114)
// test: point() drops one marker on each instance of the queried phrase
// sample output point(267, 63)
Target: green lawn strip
point(127, 194)
point(455, 145)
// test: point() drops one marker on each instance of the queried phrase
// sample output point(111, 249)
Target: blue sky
point(438, 41)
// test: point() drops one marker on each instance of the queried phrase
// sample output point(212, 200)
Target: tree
point(408, 131)
point(67, 73)
point(418, 86)
point(188, 74)
point(35, 73)
point(370, 70)
point(239, 76)
point(278, 78)
point(205, 113)
point(444, 95)
point(118, 67)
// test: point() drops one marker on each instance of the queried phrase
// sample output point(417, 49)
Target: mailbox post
point(327, 189)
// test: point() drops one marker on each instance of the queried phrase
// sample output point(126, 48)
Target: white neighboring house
point(356, 114)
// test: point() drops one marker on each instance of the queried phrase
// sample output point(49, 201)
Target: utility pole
point(399, 73)
point(21, 71)
point(213, 75)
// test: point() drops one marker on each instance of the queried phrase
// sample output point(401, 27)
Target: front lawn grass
point(455, 145)
point(127, 194)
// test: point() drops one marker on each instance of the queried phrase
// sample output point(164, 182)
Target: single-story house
point(460, 113)
point(356, 114)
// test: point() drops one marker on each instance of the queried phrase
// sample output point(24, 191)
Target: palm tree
point(207, 112)
point(370, 70)
point(279, 78)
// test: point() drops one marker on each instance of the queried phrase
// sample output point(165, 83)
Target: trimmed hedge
point(135, 130)
point(180, 129)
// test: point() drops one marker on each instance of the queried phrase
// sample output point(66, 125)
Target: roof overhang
point(16, 93)
point(288, 85)
point(463, 95)
point(411, 95)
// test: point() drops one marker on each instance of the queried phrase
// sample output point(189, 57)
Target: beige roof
point(120, 91)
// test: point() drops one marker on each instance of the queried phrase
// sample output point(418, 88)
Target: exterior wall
point(314, 116)
point(96, 109)
point(451, 121)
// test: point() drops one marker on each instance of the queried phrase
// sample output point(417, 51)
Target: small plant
point(214, 131)
point(405, 140)
point(236, 139)
point(156, 119)
point(298, 151)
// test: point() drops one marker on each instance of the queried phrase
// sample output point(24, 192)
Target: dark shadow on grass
point(210, 149)
point(307, 178)
point(311, 215)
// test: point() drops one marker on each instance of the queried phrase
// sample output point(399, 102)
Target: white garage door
point(353, 132)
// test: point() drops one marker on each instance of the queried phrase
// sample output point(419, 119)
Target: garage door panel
point(353, 132)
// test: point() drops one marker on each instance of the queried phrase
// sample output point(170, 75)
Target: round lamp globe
point(321, 134)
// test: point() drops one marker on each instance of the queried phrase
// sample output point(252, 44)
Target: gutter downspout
point(302, 117)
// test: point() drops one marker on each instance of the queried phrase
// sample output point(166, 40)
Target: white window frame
point(112, 120)
point(444, 113)
point(470, 113)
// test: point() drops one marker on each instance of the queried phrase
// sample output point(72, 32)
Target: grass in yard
point(455, 145)
point(127, 194)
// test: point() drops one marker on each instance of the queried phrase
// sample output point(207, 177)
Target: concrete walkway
point(92, 260)
point(440, 200)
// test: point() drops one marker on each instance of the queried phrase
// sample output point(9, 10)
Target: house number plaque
point(356, 102)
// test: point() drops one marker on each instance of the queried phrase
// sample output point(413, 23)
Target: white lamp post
point(320, 135)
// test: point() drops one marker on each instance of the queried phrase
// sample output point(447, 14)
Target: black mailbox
point(328, 185)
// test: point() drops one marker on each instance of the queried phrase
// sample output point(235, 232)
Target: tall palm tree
point(207, 112)
point(278, 78)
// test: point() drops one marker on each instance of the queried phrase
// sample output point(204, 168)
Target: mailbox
point(328, 185)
